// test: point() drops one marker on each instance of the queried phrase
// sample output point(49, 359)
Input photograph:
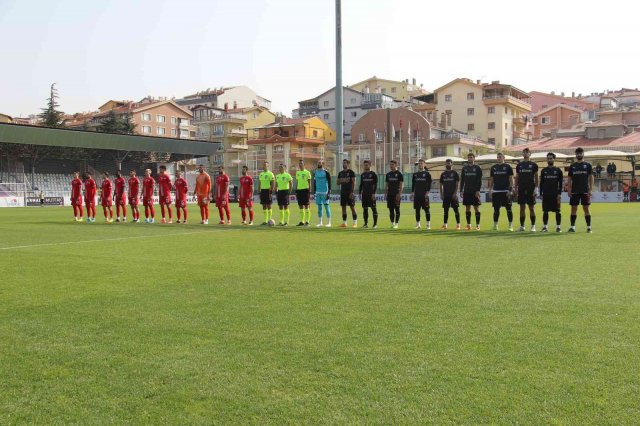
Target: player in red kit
point(164, 193)
point(222, 195)
point(245, 197)
point(76, 197)
point(148, 185)
point(106, 197)
point(90, 189)
point(182, 188)
point(134, 191)
point(121, 197)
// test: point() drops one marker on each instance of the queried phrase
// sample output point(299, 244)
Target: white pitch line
point(113, 239)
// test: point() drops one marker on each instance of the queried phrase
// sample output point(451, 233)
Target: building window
point(470, 111)
point(491, 125)
point(506, 141)
point(325, 116)
point(174, 132)
point(383, 90)
point(393, 90)
point(447, 98)
point(471, 126)
point(325, 103)
point(470, 96)
point(353, 101)
point(506, 111)
point(438, 151)
point(492, 141)
point(184, 134)
point(146, 129)
point(545, 120)
point(162, 131)
point(506, 126)
point(255, 115)
point(174, 120)
point(491, 110)
point(361, 137)
point(146, 117)
point(161, 118)
point(354, 114)
point(184, 122)
point(315, 133)
point(278, 148)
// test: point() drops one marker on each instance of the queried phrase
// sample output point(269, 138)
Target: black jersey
point(551, 181)
point(527, 171)
point(500, 174)
point(368, 183)
point(579, 174)
point(449, 180)
point(344, 179)
point(471, 179)
point(421, 182)
point(393, 180)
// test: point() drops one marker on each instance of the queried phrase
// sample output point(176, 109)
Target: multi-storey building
point(554, 118)
point(4, 118)
point(290, 139)
point(402, 91)
point(356, 104)
point(225, 98)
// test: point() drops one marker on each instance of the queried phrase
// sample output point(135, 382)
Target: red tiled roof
point(632, 140)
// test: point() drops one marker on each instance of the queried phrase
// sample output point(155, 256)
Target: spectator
point(625, 191)
point(598, 170)
point(613, 170)
point(634, 189)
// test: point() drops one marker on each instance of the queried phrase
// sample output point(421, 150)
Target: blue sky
point(283, 49)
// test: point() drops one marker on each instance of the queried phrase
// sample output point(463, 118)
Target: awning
point(493, 157)
point(606, 153)
point(436, 160)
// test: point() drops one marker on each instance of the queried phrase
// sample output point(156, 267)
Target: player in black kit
point(420, 186)
point(347, 181)
point(580, 185)
point(470, 184)
point(449, 181)
point(551, 191)
point(367, 191)
point(393, 191)
point(501, 187)
point(526, 187)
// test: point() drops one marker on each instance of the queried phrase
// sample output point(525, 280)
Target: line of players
point(503, 188)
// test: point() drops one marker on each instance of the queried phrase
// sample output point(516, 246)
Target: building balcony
point(183, 124)
point(507, 100)
point(237, 133)
point(237, 148)
point(519, 135)
point(220, 118)
point(519, 121)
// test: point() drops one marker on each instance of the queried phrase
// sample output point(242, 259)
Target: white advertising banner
point(11, 201)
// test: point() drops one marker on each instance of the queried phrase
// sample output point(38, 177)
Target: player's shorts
point(265, 196)
point(368, 200)
point(322, 199)
point(222, 201)
point(449, 201)
point(134, 201)
point(76, 201)
point(470, 199)
point(347, 200)
point(147, 201)
point(164, 200)
point(90, 201)
point(106, 202)
point(203, 200)
point(550, 203)
point(421, 201)
point(526, 196)
point(181, 203)
point(501, 199)
point(303, 197)
point(121, 201)
point(577, 199)
point(283, 197)
point(245, 202)
point(392, 201)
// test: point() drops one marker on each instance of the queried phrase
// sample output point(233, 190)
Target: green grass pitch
point(135, 323)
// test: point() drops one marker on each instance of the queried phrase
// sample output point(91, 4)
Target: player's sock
point(153, 212)
point(533, 220)
point(573, 219)
point(457, 214)
point(587, 218)
point(265, 212)
point(365, 214)
point(509, 215)
point(287, 215)
point(184, 211)
point(75, 211)
point(545, 218)
point(374, 211)
point(558, 219)
point(178, 214)
point(226, 210)
point(477, 218)
point(303, 216)
point(418, 215)
point(81, 210)
point(392, 216)
point(446, 216)
point(467, 215)
point(221, 214)
point(270, 213)
point(397, 215)
point(522, 221)
point(320, 213)
point(170, 212)
point(354, 215)
point(496, 214)
point(344, 217)
point(327, 207)
point(243, 212)
point(427, 213)
point(146, 212)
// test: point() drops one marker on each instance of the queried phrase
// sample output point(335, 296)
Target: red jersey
point(90, 188)
point(182, 188)
point(164, 185)
point(147, 187)
point(119, 184)
point(76, 188)
point(107, 189)
point(246, 187)
point(222, 186)
point(134, 187)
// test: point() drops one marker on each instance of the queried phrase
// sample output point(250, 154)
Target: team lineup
point(524, 186)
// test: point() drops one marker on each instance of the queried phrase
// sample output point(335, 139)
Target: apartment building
point(225, 98)
point(555, 118)
point(402, 91)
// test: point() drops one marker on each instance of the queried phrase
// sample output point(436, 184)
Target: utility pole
point(339, 94)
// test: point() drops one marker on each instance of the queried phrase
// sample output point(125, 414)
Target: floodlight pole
point(339, 94)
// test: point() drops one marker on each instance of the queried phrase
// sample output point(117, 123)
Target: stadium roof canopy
point(443, 160)
point(493, 157)
point(543, 156)
point(66, 138)
point(607, 153)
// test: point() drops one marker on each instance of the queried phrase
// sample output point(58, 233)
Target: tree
point(50, 115)
point(127, 127)
point(110, 124)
